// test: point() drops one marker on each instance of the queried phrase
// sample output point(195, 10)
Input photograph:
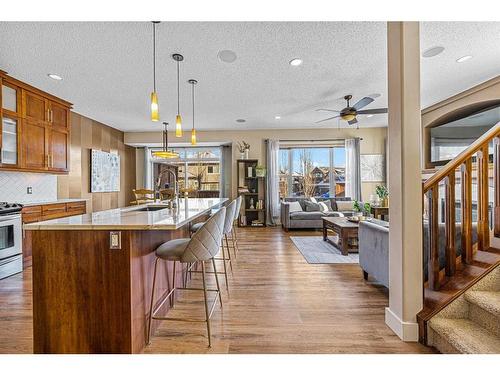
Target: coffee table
point(346, 231)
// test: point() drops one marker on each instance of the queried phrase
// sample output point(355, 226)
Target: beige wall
point(373, 143)
point(87, 134)
point(483, 94)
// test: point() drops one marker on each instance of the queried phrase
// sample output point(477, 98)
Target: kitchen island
point(92, 275)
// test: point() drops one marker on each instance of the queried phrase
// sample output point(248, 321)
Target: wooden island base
point(88, 298)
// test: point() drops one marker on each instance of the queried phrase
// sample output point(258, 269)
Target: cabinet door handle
point(51, 116)
point(47, 160)
point(48, 115)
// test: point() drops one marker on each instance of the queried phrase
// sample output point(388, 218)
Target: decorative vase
point(245, 154)
point(242, 155)
point(385, 202)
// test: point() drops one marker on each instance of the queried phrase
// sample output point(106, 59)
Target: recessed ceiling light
point(227, 56)
point(278, 117)
point(369, 116)
point(295, 62)
point(464, 58)
point(55, 76)
point(433, 51)
point(240, 120)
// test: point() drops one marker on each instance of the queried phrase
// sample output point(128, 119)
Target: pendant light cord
point(154, 56)
point(193, 102)
point(178, 89)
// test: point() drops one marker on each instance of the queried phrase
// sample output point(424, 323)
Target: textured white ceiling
point(107, 68)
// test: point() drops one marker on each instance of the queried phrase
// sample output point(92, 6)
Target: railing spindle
point(433, 262)
point(496, 186)
point(451, 257)
point(483, 230)
point(466, 211)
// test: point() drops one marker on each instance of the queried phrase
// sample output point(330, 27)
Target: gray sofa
point(308, 220)
point(374, 248)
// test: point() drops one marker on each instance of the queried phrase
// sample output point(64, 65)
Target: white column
point(405, 183)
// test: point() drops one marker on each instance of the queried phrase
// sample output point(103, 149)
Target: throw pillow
point(295, 207)
point(325, 206)
point(345, 205)
point(312, 207)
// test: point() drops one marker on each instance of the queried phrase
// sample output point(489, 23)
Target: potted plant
point(260, 171)
point(356, 207)
point(383, 195)
point(367, 209)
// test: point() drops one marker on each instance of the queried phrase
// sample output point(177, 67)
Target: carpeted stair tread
point(465, 335)
point(489, 301)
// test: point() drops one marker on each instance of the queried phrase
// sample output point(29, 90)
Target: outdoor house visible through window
point(308, 170)
point(197, 171)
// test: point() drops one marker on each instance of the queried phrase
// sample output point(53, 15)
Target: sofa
point(374, 247)
point(308, 220)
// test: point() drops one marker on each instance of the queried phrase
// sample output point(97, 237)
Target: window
point(197, 170)
point(307, 171)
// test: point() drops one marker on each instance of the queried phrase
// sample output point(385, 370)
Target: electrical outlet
point(29, 190)
point(115, 240)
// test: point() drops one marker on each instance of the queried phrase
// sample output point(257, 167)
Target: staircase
point(461, 311)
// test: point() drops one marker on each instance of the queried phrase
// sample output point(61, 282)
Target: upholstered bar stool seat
point(195, 227)
point(172, 250)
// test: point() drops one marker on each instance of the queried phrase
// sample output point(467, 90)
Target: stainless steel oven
point(11, 258)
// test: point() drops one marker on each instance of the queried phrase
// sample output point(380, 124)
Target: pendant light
point(178, 120)
point(154, 97)
point(193, 82)
point(165, 153)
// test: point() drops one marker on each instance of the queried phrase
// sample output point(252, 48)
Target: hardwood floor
point(277, 303)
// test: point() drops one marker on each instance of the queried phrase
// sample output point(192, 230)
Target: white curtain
point(272, 188)
point(352, 169)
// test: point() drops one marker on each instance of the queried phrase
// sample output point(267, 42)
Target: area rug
point(316, 251)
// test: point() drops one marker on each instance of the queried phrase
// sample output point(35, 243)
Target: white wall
point(13, 187)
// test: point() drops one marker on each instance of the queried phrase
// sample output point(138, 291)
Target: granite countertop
point(133, 218)
point(55, 201)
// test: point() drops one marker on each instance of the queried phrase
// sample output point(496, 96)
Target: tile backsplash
point(14, 186)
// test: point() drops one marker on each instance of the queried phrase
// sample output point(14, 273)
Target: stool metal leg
point(217, 281)
point(207, 314)
point(228, 252)
point(152, 301)
point(225, 267)
point(172, 296)
point(235, 246)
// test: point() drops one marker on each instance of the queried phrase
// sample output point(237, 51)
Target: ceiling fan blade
point(353, 121)
point(328, 110)
point(372, 111)
point(326, 119)
point(362, 103)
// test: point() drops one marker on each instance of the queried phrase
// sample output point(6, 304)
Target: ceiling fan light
point(178, 126)
point(154, 107)
point(348, 117)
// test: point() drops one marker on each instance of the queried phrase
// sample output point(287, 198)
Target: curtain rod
point(316, 140)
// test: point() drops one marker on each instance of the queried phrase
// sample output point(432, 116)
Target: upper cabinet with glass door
point(9, 126)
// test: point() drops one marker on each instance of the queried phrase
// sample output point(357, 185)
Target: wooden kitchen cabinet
point(58, 150)
point(42, 124)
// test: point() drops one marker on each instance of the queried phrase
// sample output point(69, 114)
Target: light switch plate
point(115, 240)
point(29, 190)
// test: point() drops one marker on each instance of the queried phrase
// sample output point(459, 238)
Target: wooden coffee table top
point(341, 222)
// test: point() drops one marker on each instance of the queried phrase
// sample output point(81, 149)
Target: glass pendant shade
point(154, 107)
point(178, 126)
point(193, 137)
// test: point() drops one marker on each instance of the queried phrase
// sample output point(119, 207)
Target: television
point(451, 138)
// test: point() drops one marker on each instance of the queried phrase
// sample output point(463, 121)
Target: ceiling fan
point(349, 113)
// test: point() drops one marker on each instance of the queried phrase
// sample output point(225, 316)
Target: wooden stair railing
point(465, 165)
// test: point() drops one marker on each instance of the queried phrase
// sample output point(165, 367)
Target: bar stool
point(234, 236)
point(228, 224)
point(201, 247)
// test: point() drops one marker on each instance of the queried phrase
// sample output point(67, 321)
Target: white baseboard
point(407, 331)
